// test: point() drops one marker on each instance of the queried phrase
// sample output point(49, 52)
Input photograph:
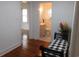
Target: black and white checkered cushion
point(59, 44)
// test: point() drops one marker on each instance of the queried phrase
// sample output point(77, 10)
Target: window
point(24, 15)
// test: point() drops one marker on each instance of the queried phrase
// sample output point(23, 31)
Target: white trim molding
point(5, 51)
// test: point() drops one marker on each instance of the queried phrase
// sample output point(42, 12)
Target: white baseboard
point(10, 49)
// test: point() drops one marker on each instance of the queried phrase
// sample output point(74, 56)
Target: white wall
point(10, 23)
point(62, 10)
point(33, 18)
point(74, 49)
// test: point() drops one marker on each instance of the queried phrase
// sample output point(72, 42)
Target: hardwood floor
point(32, 49)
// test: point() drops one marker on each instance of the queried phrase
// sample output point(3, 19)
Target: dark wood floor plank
point(32, 49)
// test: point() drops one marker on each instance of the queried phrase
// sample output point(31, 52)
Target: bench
point(58, 48)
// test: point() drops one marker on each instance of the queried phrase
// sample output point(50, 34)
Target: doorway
point(25, 24)
point(45, 15)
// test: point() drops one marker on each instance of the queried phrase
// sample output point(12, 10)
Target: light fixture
point(24, 1)
point(40, 10)
point(50, 13)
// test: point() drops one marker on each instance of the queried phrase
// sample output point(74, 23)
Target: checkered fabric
point(59, 44)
